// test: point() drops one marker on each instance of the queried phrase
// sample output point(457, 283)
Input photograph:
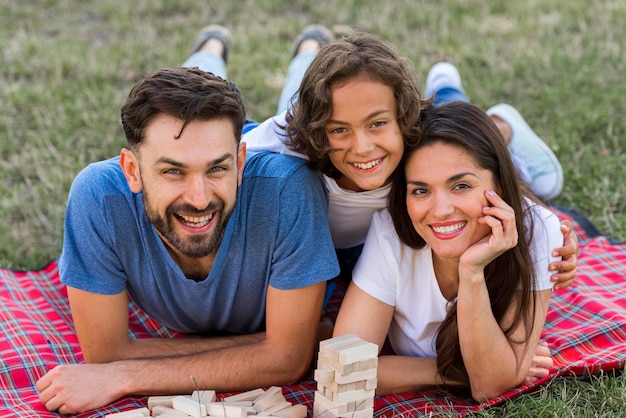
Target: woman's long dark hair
point(465, 126)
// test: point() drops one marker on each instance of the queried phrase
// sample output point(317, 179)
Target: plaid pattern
point(585, 329)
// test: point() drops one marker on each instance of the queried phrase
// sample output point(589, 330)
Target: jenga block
point(271, 397)
point(250, 395)
point(366, 413)
point(294, 411)
point(162, 411)
point(203, 396)
point(356, 395)
point(371, 384)
point(189, 407)
point(364, 404)
point(358, 352)
point(134, 413)
point(240, 404)
point(323, 406)
point(355, 376)
point(273, 411)
point(221, 409)
point(370, 363)
point(324, 375)
point(178, 415)
point(325, 361)
point(333, 347)
point(160, 400)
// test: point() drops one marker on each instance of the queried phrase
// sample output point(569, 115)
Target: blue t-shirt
point(278, 235)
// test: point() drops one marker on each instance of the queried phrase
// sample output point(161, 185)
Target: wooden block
point(329, 394)
point(333, 346)
point(271, 397)
point(168, 415)
point(160, 410)
point(324, 375)
point(250, 395)
point(364, 404)
point(358, 352)
point(268, 402)
point(366, 413)
point(324, 407)
point(203, 396)
point(269, 393)
point(241, 404)
point(160, 400)
point(273, 411)
point(189, 407)
point(325, 361)
point(371, 384)
point(355, 376)
point(363, 365)
point(294, 411)
point(134, 413)
point(221, 409)
point(356, 395)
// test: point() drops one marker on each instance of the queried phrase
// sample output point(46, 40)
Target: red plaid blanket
point(585, 329)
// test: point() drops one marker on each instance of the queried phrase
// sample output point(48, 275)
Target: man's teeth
point(368, 165)
point(197, 221)
point(448, 229)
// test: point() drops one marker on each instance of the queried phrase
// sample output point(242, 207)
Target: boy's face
point(363, 133)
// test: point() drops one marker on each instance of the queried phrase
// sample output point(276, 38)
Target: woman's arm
point(369, 318)
point(363, 315)
point(496, 362)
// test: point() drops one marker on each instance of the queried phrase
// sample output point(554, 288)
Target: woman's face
point(363, 133)
point(445, 197)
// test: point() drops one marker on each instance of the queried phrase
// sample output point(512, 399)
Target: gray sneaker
point(537, 164)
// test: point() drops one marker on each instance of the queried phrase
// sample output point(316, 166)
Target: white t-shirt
point(404, 278)
point(349, 213)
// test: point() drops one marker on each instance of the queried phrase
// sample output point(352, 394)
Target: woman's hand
point(500, 217)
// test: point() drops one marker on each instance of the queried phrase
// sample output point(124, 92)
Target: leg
point(307, 44)
point(444, 82)
point(535, 161)
point(210, 51)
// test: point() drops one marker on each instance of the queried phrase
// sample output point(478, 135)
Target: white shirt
point(349, 213)
point(404, 278)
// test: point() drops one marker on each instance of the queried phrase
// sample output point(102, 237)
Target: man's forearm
point(146, 348)
point(234, 368)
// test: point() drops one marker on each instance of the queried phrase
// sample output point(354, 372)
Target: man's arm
point(101, 323)
point(282, 357)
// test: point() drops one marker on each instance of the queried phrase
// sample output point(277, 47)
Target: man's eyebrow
point(169, 161)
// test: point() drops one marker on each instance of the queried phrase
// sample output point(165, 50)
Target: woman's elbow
point(488, 390)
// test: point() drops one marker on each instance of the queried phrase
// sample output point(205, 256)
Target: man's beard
point(194, 246)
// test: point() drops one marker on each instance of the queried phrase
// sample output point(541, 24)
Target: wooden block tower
point(346, 378)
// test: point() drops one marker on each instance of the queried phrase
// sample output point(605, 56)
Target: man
point(200, 243)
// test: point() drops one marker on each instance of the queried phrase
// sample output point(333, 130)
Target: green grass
point(67, 66)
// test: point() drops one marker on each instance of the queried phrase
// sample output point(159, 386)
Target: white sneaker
point(441, 75)
point(535, 161)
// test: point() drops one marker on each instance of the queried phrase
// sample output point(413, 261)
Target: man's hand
point(73, 388)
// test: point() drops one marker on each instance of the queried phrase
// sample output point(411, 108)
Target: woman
point(455, 273)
